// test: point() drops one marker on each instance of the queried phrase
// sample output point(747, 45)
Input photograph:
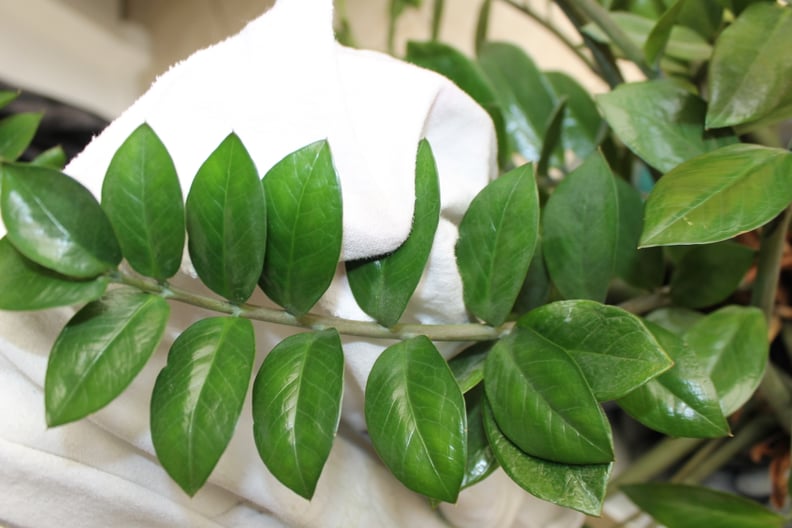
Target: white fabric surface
point(281, 83)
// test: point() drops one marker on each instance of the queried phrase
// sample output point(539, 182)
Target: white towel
point(281, 83)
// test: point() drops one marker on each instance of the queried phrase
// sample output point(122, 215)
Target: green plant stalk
point(697, 458)
point(437, 18)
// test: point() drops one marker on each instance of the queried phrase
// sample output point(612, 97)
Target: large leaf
point(613, 348)
point(681, 402)
point(708, 274)
point(644, 267)
point(100, 351)
point(304, 227)
point(580, 231)
point(480, 458)
point(416, 418)
point(56, 222)
point(142, 197)
point(718, 195)
point(496, 241)
point(542, 401)
point(297, 407)
point(684, 506)
point(16, 133)
point(227, 221)
point(732, 346)
point(198, 396)
point(749, 77)
point(577, 486)
point(382, 287)
point(661, 121)
point(24, 285)
point(673, 318)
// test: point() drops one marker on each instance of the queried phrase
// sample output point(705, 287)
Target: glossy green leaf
point(702, 16)
point(673, 318)
point(227, 221)
point(100, 351)
point(577, 486)
point(481, 460)
point(56, 222)
point(661, 121)
point(536, 288)
point(680, 402)
point(468, 366)
point(749, 77)
point(709, 274)
point(416, 418)
point(582, 122)
point(303, 227)
point(684, 506)
point(7, 96)
point(198, 397)
point(580, 231)
point(718, 195)
point(657, 40)
point(613, 348)
point(297, 407)
point(732, 345)
point(16, 133)
point(643, 268)
point(24, 285)
point(552, 136)
point(542, 401)
point(523, 93)
point(53, 157)
point(683, 43)
point(382, 287)
point(496, 241)
point(142, 197)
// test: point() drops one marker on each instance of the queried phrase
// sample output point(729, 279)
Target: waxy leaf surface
point(16, 133)
point(643, 267)
point(708, 274)
point(481, 460)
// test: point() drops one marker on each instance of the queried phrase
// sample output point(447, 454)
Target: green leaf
point(613, 348)
point(303, 228)
point(580, 231)
point(16, 133)
point(661, 121)
point(673, 318)
point(297, 407)
point(523, 93)
point(496, 241)
point(749, 78)
point(383, 286)
point(643, 268)
point(100, 351)
point(54, 158)
point(577, 486)
point(536, 288)
point(680, 402)
point(227, 221)
point(56, 222)
point(657, 40)
point(480, 458)
point(142, 197)
point(416, 418)
point(684, 506)
point(732, 345)
point(718, 195)
point(543, 403)
point(198, 397)
point(24, 285)
point(582, 122)
point(468, 366)
point(702, 16)
point(709, 274)
point(7, 96)
point(552, 137)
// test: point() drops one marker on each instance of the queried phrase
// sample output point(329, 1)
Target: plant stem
point(696, 460)
point(437, 18)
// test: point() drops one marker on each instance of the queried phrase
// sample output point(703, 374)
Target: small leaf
point(613, 348)
point(416, 418)
point(536, 288)
point(732, 345)
point(54, 158)
point(708, 274)
point(142, 197)
point(16, 133)
point(543, 403)
point(718, 195)
point(661, 121)
point(56, 222)
point(24, 285)
point(304, 228)
point(297, 407)
point(582, 122)
point(657, 40)
point(382, 287)
point(643, 268)
point(468, 366)
point(100, 351)
point(680, 402)
point(227, 221)
point(749, 80)
point(7, 96)
point(580, 231)
point(552, 137)
point(577, 486)
point(496, 241)
point(198, 397)
point(684, 506)
point(480, 458)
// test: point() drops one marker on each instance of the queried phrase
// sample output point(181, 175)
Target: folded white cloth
point(281, 83)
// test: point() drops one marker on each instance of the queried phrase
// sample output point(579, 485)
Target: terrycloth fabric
point(280, 84)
